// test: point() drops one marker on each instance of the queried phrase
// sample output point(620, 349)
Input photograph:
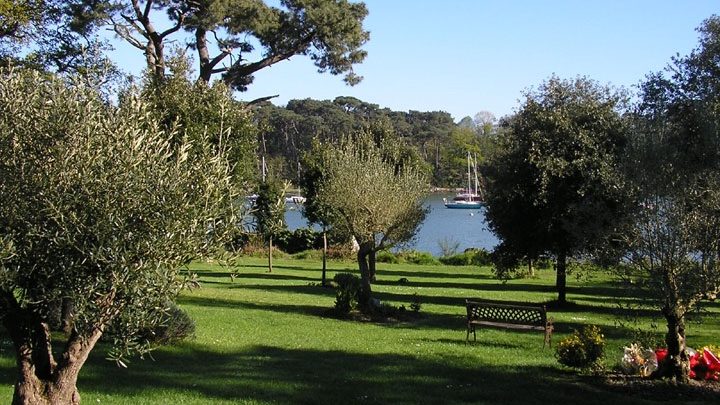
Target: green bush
point(583, 349)
point(385, 256)
point(346, 292)
point(238, 239)
point(298, 240)
point(415, 257)
point(175, 325)
point(308, 255)
point(408, 256)
point(470, 257)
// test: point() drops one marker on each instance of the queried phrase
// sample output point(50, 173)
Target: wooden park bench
point(509, 316)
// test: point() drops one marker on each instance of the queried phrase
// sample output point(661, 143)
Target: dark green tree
point(316, 210)
point(269, 211)
point(554, 186)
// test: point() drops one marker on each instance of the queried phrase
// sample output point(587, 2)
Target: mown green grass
point(268, 338)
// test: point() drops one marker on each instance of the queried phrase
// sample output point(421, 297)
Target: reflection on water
point(465, 227)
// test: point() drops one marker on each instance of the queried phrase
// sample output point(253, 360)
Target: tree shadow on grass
point(429, 274)
point(312, 310)
point(309, 376)
point(423, 320)
point(469, 286)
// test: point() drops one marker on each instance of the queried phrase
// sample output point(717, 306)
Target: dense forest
point(287, 132)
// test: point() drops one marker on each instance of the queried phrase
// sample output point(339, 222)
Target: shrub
point(474, 257)
point(249, 244)
point(346, 292)
point(408, 256)
point(583, 349)
point(298, 240)
point(238, 240)
point(340, 252)
point(385, 256)
point(175, 325)
point(308, 255)
point(415, 257)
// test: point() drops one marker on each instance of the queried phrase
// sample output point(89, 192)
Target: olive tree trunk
point(42, 380)
point(677, 362)
point(324, 257)
point(363, 263)
point(270, 249)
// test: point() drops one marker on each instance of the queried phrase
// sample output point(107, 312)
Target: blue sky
point(466, 56)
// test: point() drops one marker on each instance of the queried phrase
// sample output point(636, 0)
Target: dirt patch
point(662, 390)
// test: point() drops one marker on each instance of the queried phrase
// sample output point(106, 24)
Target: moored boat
point(462, 204)
point(472, 198)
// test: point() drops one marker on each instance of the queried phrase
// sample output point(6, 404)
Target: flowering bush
point(582, 349)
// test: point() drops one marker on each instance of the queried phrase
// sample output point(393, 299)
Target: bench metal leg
point(467, 337)
point(548, 339)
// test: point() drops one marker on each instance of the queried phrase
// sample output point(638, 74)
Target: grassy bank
point(267, 338)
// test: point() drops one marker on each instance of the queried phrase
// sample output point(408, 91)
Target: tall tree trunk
point(677, 362)
point(531, 269)
point(270, 249)
point(203, 54)
point(365, 289)
point(561, 280)
point(372, 265)
point(324, 256)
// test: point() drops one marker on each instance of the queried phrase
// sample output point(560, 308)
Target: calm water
point(466, 227)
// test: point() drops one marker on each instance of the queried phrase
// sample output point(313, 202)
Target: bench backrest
point(506, 313)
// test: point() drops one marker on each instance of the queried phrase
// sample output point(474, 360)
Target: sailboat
point(471, 197)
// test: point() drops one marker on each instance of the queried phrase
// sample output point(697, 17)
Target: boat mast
point(469, 189)
point(475, 173)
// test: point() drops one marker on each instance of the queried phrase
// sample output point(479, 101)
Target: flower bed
point(636, 360)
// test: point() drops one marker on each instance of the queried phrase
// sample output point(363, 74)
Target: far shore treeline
point(288, 132)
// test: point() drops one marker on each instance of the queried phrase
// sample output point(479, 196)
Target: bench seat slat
point(507, 325)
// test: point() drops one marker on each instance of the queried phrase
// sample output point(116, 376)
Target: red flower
point(704, 365)
point(712, 365)
point(660, 353)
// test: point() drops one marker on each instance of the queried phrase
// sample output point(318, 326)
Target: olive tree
point(374, 194)
point(673, 164)
point(98, 206)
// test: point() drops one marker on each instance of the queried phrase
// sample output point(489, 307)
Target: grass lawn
point(266, 338)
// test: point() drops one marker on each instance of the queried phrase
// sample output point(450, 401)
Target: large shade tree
point(369, 189)
point(57, 35)
point(236, 38)
point(553, 185)
point(673, 164)
point(99, 206)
